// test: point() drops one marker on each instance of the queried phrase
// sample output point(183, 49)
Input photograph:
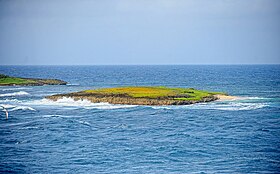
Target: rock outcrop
point(124, 97)
point(12, 81)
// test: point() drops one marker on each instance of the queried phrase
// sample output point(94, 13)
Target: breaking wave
point(22, 108)
point(244, 103)
point(13, 89)
point(72, 84)
point(10, 100)
point(225, 107)
point(14, 94)
point(14, 107)
point(232, 106)
point(69, 102)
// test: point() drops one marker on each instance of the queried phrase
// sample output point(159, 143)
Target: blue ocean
point(67, 136)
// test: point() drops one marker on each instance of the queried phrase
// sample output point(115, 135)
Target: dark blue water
point(240, 136)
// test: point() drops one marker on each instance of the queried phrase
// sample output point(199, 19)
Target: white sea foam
point(72, 84)
point(69, 102)
point(14, 94)
point(21, 123)
point(14, 89)
point(84, 123)
point(237, 106)
point(15, 107)
point(230, 106)
point(242, 103)
point(252, 98)
point(7, 106)
point(10, 101)
point(163, 107)
point(22, 108)
point(30, 127)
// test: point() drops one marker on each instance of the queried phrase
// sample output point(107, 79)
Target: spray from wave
point(15, 108)
point(232, 106)
point(14, 89)
point(20, 93)
point(72, 84)
point(225, 106)
point(246, 103)
point(10, 101)
point(23, 108)
point(69, 102)
point(242, 104)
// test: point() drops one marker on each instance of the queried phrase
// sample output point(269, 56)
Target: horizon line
point(135, 64)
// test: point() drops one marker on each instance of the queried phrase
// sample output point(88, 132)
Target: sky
point(145, 32)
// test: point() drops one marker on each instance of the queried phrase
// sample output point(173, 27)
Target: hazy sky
point(43, 32)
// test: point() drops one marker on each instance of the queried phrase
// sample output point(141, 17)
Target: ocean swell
point(14, 107)
point(69, 102)
point(20, 93)
point(14, 89)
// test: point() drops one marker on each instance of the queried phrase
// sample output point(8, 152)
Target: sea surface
point(240, 136)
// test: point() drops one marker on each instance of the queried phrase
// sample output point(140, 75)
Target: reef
point(143, 95)
point(18, 81)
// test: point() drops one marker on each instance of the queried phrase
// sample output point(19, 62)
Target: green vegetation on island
point(11, 81)
point(143, 95)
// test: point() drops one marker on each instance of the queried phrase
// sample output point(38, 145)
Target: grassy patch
point(150, 92)
point(14, 80)
point(7, 80)
point(195, 94)
point(155, 92)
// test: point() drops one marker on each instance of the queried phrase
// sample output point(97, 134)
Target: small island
point(144, 96)
point(17, 81)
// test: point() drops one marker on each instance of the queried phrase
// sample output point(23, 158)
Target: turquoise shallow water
point(67, 136)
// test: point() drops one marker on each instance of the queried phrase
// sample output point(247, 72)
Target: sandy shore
point(226, 97)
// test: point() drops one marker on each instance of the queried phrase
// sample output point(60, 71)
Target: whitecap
point(72, 84)
point(231, 106)
point(7, 106)
point(10, 101)
point(22, 108)
point(106, 106)
point(84, 123)
point(14, 94)
point(13, 89)
point(60, 102)
point(30, 127)
point(162, 107)
point(69, 102)
point(226, 106)
point(251, 98)
point(21, 123)
point(255, 98)
point(15, 107)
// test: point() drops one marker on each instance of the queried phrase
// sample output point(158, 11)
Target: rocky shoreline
point(133, 101)
point(41, 82)
point(96, 96)
point(18, 81)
